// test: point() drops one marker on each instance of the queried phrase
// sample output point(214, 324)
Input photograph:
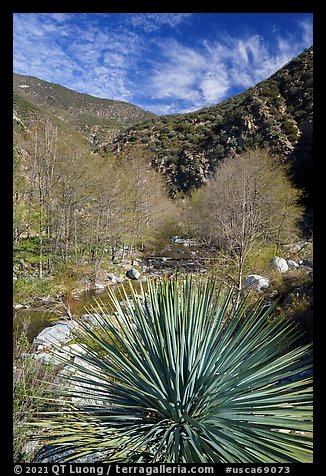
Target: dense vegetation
point(276, 113)
point(71, 207)
point(98, 120)
point(248, 205)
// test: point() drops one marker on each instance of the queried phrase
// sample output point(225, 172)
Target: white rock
point(69, 323)
point(297, 247)
point(112, 278)
point(99, 285)
point(88, 317)
point(48, 358)
point(92, 319)
point(292, 264)
point(30, 447)
point(279, 264)
point(254, 281)
point(86, 389)
point(74, 349)
point(57, 334)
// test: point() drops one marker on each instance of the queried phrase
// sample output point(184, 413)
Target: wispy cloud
point(307, 28)
point(86, 59)
point(206, 75)
point(150, 22)
point(147, 59)
point(188, 74)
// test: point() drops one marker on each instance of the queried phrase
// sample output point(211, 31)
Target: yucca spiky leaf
point(178, 374)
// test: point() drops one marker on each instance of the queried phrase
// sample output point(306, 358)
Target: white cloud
point(90, 59)
point(113, 56)
point(59, 17)
point(213, 89)
point(307, 28)
point(150, 22)
point(207, 75)
point(188, 74)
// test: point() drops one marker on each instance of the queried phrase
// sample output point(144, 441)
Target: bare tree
point(147, 206)
point(249, 201)
point(44, 157)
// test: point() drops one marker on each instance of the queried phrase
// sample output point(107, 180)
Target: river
point(176, 257)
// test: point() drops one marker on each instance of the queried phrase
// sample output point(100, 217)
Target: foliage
point(247, 204)
point(73, 207)
point(27, 288)
point(87, 114)
point(295, 297)
point(266, 113)
point(187, 379)
point(260, 257)
point(30, 379)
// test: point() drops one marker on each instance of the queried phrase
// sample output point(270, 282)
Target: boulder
point(296, 247)
point(182, 241)
point(92, 319)
point(279, 264)
point(72, 378)
point(255, 281)
point(308, 263)
point(292, 264)
point(58, 356)
point(70, 323)
point(30, 447)
point(57, 334)
point(132, 273)
point(74, 349)
point(112, 278)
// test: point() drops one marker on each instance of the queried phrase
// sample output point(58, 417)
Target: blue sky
point(163, 62)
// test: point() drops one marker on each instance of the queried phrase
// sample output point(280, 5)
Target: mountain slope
point(276, 113)
point(99, 120)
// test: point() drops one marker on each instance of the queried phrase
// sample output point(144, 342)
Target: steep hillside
point(276, 112)
point(99, 120)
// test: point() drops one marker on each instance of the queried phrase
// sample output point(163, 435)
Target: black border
point(6, 32)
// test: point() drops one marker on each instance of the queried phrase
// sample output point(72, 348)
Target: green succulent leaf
point(182, 374)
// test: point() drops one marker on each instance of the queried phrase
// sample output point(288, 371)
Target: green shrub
point(30, 287)
point(30, 379)
point(187, 379)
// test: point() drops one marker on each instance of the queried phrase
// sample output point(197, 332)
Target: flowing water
point(172, 259)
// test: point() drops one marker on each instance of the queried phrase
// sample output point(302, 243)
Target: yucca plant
point(178, 374)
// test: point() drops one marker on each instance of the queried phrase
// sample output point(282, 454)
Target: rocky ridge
point(98, 120)
point(276, 113)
